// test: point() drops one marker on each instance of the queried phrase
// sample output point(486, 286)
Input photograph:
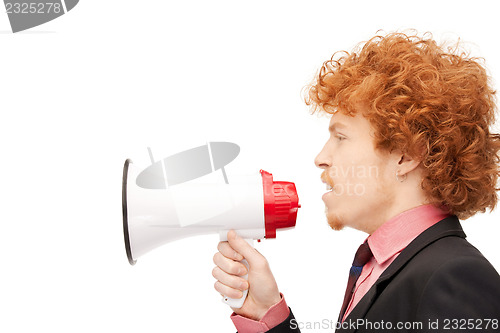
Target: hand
point(263, 291)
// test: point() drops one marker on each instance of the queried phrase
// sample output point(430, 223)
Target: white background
point(80, 94)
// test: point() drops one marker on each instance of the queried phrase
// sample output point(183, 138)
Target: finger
point(229, 266)
point(228, 252)
point(241, 246)
point(227, 291)
point(229, 280)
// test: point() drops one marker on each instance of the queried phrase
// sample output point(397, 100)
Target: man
point(410, 152)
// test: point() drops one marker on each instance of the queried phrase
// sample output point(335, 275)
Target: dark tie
point(363, 255)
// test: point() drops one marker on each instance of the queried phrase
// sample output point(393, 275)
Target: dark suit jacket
point(438, 283)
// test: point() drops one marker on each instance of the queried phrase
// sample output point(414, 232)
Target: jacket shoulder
point(447, 279)
point(458, 282)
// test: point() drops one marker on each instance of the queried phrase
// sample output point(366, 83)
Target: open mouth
point(327, 181)
point(329, 191)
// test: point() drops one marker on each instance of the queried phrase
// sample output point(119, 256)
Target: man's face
point(360, 177)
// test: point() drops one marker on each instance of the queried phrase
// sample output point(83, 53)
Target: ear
point(407, 164)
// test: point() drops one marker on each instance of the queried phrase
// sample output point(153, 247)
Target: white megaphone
point(160, 205)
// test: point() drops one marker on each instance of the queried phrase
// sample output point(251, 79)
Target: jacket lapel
point(449, 226)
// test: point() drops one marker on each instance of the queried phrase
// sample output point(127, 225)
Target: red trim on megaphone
point(281, 203)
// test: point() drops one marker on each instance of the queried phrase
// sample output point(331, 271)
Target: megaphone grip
point(238, 302)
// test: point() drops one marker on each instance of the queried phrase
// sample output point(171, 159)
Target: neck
point(406, 195)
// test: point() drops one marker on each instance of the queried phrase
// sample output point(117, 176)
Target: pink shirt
point(274, 316)
point(386, 243)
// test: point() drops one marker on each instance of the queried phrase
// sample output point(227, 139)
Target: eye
point(340, 137)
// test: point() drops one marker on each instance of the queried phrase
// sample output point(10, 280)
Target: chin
point(334, 221)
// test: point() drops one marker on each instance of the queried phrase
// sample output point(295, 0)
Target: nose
point(323, 159)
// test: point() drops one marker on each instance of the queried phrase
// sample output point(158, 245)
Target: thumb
point(242, 247)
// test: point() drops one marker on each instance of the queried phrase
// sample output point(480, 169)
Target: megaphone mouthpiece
point(281, 203)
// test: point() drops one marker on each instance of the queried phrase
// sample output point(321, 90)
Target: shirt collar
point(394, 235)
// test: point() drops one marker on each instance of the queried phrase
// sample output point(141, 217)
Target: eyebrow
point(333, 127)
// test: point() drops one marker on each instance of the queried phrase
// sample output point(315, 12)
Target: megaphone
point(159, 208)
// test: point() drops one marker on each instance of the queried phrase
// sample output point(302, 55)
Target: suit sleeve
point(462, 295)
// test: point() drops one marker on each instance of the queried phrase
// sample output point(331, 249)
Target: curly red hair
point(420, 97)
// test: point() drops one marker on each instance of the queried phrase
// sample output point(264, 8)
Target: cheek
point(367, 177)
point(354, 180)
point(381, 182)
point(359, 171)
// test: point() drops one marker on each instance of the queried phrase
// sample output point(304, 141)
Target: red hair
point(420, 97)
